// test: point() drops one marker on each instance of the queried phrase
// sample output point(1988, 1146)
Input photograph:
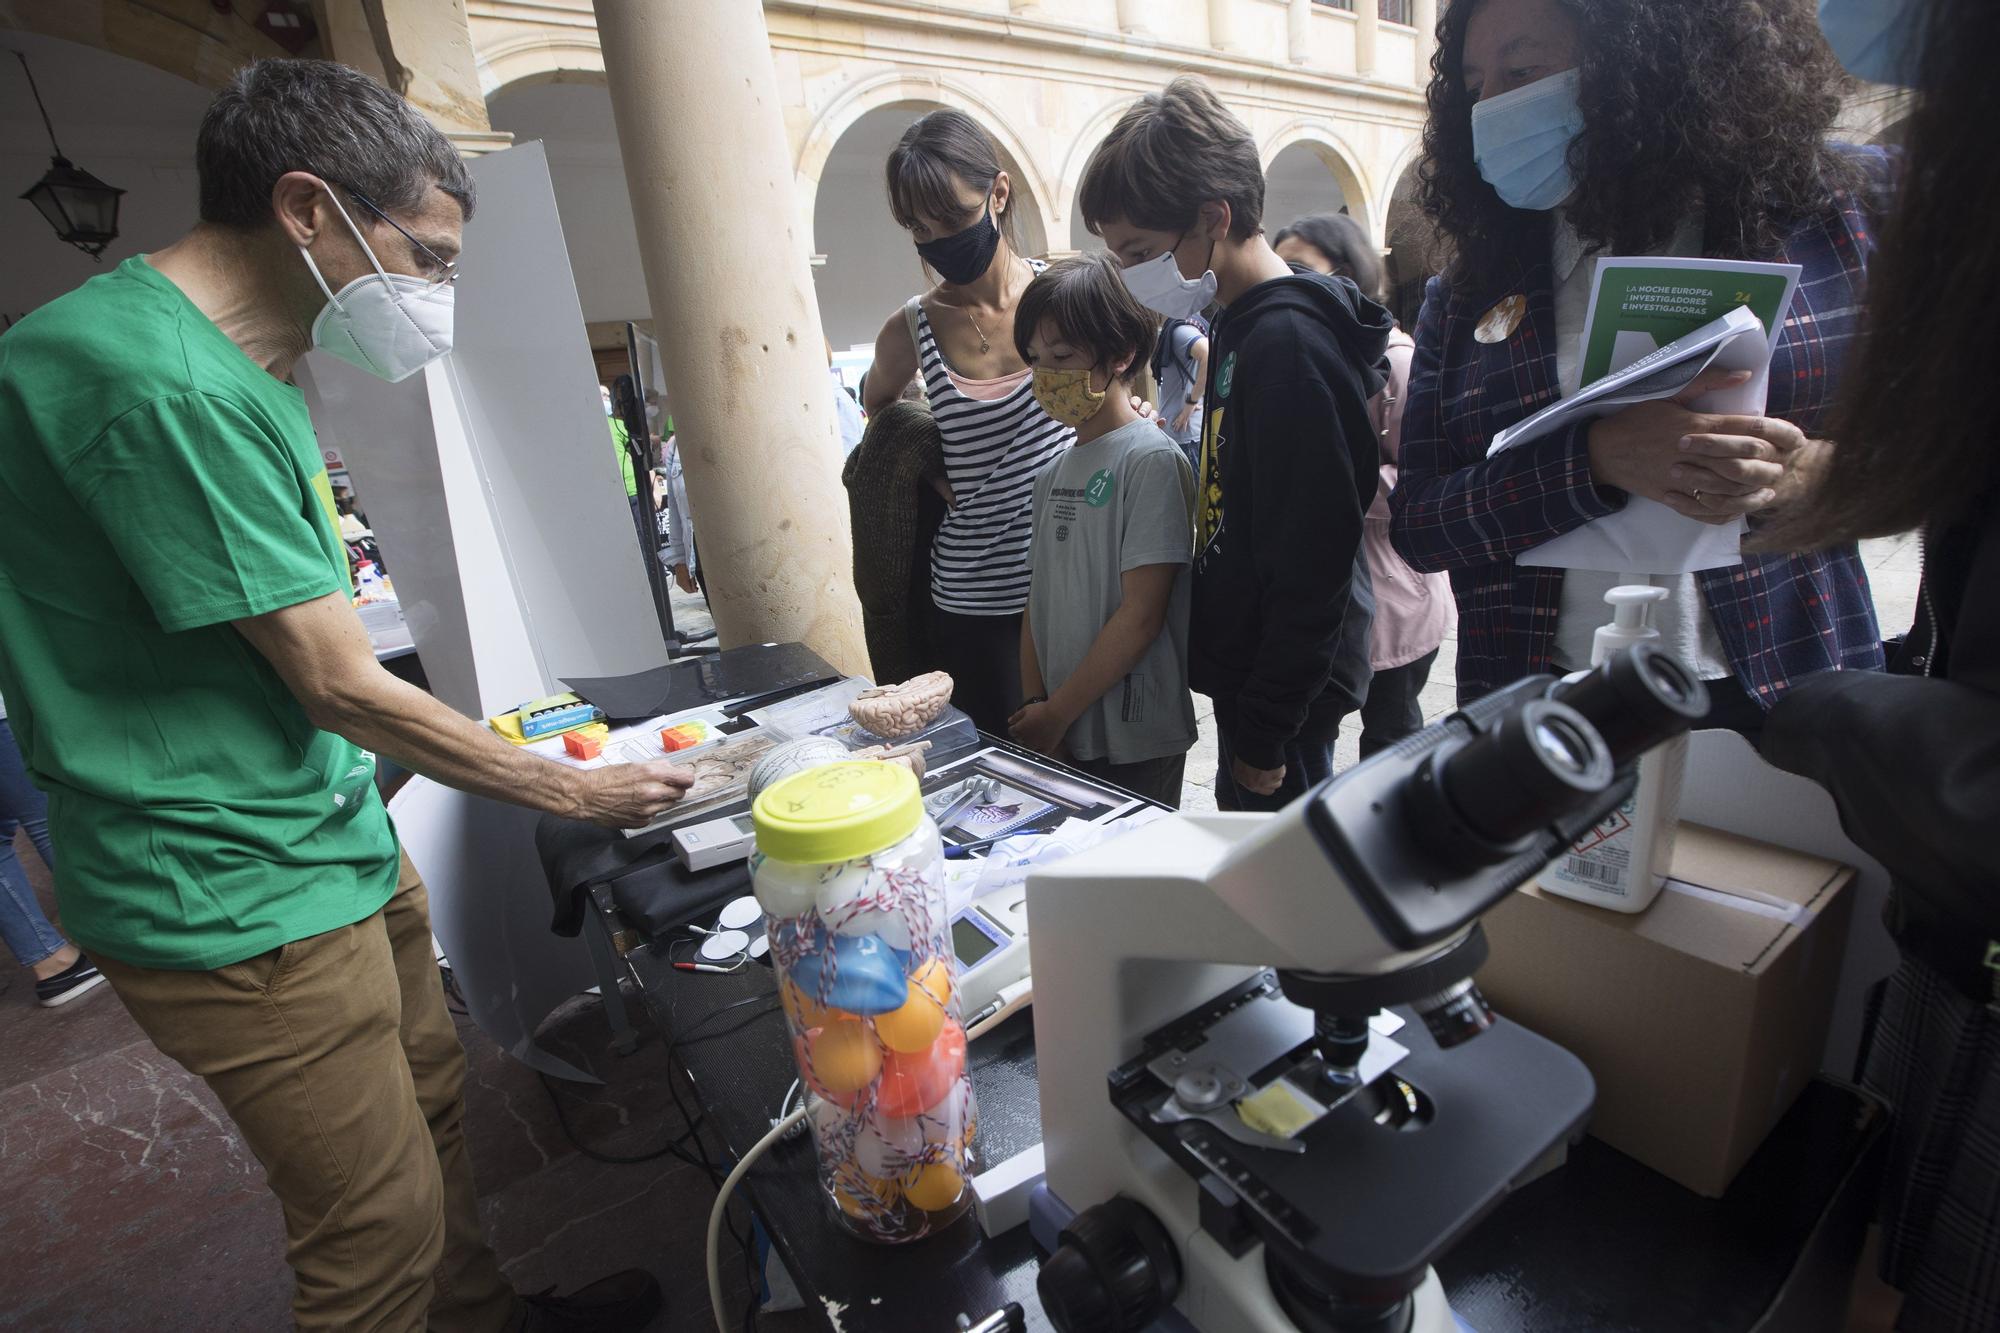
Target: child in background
point(1282, 599)
point(1104, 643)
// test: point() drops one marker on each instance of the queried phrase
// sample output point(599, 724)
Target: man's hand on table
point(321, 652)
point(629, 795)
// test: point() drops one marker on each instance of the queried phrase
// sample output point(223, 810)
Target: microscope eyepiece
point(1537, 765)
point(1562, 746)
point(1641, 696)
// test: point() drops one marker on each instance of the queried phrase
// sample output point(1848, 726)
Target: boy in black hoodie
point(1282, 602)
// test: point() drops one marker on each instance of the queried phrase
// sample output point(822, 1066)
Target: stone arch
point(1340, 160)
point(538, 57)
point(140, 139)
point(1081, 147)
point(864, 263)
point(1411, 252)
point(1401, 169)
point(206, 53)
point(902, 89)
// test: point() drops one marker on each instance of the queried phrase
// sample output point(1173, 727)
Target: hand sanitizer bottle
point(1622, 863)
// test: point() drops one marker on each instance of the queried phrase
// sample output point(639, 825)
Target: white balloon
point(783, 889)
point(834, 1129)
point(890, 1147)
point(886, 1148)
point(894, 902)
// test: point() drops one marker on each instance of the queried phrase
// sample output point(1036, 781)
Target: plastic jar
point(850, 874)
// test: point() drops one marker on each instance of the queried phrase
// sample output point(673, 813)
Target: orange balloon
point(805, 1012)
point(934, 1186)
point(913, 1027)
point(842, 1057)
point(862, 1196)
point(913, 1083)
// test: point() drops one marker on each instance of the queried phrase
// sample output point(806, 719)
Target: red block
point(582, 746)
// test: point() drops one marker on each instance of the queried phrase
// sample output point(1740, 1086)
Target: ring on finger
point(1697, 495)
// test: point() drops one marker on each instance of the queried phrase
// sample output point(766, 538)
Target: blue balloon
point(860, 973)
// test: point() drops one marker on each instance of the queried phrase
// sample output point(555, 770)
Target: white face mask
point(1158, 285)
point(387, 324)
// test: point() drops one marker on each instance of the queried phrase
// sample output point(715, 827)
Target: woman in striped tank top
point(947, 190)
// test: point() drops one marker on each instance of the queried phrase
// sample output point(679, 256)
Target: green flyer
point(1638, 306)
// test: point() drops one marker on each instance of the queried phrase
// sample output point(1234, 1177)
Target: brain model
point(910, 756)
point(902, 710)
point(794, 757)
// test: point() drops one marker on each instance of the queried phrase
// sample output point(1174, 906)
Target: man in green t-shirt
point(188, 681)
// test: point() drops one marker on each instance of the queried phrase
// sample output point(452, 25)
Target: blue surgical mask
point(1521, 140)
point(1877, 40)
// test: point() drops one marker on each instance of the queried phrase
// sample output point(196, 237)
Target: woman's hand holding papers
point(1714, 468)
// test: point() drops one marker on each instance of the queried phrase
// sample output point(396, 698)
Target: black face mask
point(962, 257)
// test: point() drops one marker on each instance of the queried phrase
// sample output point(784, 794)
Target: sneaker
point(72, 983)
point(621, 1303)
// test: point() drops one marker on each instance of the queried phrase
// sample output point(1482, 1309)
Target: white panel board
point(490, 910)
point(491, 480)
point(527, 392)
point(1730, 787)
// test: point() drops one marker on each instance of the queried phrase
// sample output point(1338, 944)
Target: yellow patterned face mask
point(1066, 395)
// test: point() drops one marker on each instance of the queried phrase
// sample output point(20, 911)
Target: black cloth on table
point(653, 890)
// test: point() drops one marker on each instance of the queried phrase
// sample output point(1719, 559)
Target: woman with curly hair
point(1563, 131)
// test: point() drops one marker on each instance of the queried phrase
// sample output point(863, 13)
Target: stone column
point(695, 98)
point(1222, 26)
point(1426, 19)
point(1132, 18)
point(1367, 20)
point(1298, 31)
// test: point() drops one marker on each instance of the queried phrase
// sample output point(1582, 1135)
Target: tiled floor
point(127, 1200)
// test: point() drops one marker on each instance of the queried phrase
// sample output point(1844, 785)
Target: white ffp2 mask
point(387, 324)
point(1158, 285)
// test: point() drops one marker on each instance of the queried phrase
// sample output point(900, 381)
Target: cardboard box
point(1702, 1017)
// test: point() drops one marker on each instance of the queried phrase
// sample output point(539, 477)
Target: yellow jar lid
point(837, 812)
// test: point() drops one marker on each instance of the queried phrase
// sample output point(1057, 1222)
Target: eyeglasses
point(442, 272)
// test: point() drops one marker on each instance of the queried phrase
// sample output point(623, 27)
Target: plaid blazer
point(1455, 510)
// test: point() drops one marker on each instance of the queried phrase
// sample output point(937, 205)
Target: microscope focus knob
point(1114, 1271)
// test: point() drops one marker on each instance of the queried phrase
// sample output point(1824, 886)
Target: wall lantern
point(82, 208)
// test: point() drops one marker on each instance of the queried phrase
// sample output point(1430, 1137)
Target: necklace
point(984, 345)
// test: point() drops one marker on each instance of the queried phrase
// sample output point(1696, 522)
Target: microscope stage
point(1377, 1183)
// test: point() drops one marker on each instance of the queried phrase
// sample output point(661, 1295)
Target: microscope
point(1244, 1130)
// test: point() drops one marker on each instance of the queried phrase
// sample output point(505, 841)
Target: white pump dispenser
point(1631, 621)
point(1621, 864)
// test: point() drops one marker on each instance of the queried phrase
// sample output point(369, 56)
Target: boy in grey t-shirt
point(1104, 642)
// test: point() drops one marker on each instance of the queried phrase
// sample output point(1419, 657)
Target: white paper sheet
point(1647, 536)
